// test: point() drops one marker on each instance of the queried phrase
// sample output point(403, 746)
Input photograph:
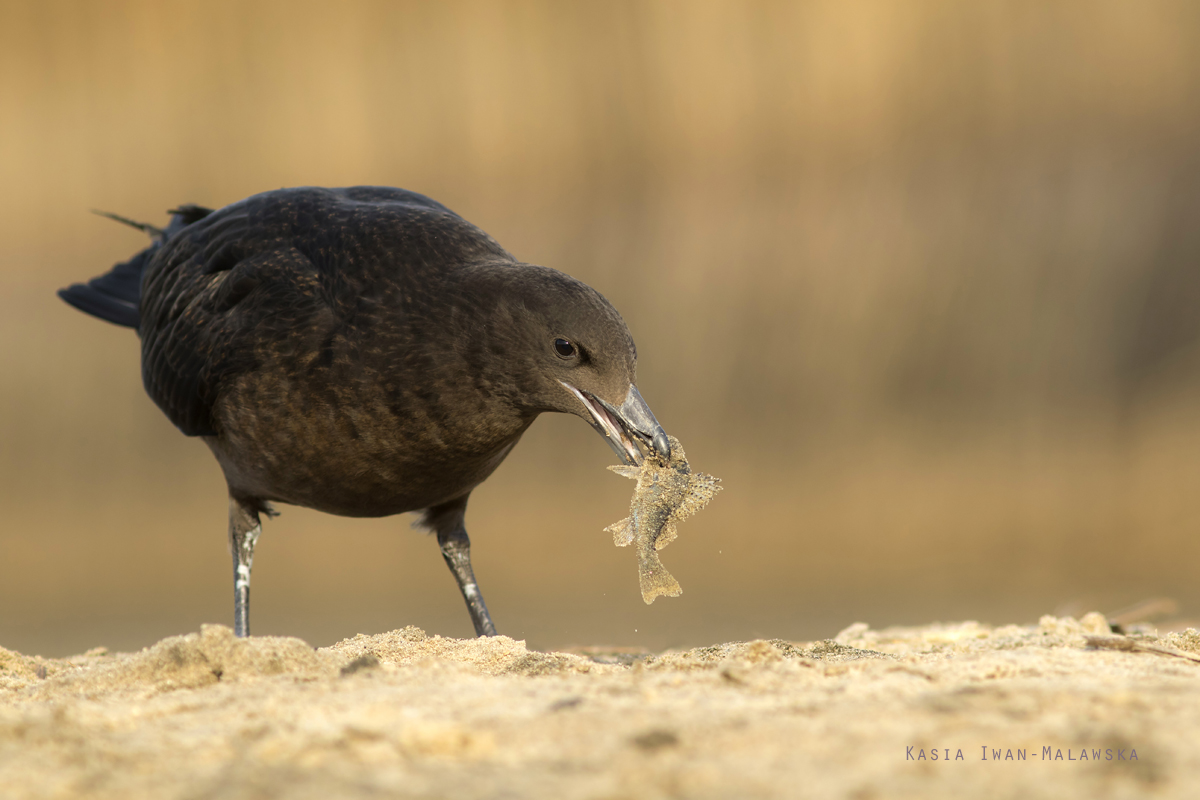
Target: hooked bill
point(667, 492)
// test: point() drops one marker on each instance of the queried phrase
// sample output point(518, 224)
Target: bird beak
point(629, 429)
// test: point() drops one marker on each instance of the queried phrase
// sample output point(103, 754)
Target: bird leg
point(244, 530)
point(456, 549)
point(452, 537)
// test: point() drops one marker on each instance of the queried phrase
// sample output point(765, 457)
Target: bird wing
point(212, 312)
point(283, 272)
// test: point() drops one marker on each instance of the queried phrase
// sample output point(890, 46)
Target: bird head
point(566, 349)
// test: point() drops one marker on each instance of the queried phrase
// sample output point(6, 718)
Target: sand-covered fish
point(667, 492)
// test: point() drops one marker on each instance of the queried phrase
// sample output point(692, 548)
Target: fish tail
point(655, 580)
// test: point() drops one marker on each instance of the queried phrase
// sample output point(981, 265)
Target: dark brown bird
point(364, 352)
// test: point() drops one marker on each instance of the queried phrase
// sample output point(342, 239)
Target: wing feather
point(230, 289)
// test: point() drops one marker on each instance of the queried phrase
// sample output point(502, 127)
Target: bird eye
point(564, 348)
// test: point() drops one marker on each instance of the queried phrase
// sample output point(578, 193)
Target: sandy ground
point(1014, 711)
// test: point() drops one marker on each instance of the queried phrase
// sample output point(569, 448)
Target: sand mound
point(497, 655)
point(1060, 709)
point(192, 661)
point(214, 655)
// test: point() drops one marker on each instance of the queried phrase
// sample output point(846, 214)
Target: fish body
point(667, 492)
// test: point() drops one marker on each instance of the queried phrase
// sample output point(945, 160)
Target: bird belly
point(348, 456)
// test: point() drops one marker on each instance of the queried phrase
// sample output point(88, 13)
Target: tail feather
point(144, 227)
point(186, 214)
point(116, 295)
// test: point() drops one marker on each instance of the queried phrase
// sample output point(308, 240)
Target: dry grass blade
point(1145, 611)
point(1135, 646)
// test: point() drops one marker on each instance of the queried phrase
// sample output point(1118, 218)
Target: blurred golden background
point(919, 281)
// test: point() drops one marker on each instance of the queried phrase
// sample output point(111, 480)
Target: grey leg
point(447, 521)
point(244, 530)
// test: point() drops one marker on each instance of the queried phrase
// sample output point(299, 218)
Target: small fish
point(667, 492)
